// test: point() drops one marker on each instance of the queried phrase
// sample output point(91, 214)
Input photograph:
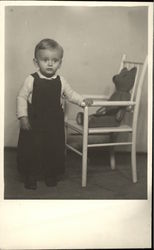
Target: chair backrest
point(138, 84)
point(139, 78)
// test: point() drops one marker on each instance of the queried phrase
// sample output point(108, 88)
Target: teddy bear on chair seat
point(112, 116)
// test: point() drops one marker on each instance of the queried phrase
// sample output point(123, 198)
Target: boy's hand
point(87, 102)
point(24, 123)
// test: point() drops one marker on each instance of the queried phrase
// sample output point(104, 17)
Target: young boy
point(41, 140)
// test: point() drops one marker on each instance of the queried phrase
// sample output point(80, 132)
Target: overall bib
point(43, 147)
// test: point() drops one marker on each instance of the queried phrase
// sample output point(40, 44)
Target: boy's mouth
point(49, 69)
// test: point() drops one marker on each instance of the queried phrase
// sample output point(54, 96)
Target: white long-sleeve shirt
point(25, 94)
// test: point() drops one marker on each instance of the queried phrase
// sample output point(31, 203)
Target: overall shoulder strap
point(58, 78)
point(35, 75)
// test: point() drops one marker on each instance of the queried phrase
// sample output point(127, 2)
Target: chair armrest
point(101, 100)
point(98, 103)
point(93, 97)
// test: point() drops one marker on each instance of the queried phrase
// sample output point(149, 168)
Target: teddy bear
point(112, 115)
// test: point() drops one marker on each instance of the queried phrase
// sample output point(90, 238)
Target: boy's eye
point(45, 59)
point(55, 60)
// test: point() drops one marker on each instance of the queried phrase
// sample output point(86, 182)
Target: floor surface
point(103, 183)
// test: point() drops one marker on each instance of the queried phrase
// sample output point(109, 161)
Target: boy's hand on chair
point(87, 102)
point(24, 123)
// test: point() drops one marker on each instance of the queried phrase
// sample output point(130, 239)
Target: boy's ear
point(35, 62)
point(60, 63)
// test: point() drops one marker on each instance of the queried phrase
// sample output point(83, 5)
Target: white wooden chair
point(85, 131)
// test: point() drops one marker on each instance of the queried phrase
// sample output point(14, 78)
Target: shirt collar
point(44, 77)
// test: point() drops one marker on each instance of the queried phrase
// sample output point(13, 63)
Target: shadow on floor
point(103, 183)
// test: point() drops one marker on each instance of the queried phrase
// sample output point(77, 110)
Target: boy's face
point(48, 61)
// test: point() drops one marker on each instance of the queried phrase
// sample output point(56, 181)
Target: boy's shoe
point(50, 181)
point(30, 183)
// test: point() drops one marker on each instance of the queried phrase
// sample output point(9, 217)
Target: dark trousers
point(41, 152)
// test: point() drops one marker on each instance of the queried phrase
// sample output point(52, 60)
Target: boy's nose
point(50, 62)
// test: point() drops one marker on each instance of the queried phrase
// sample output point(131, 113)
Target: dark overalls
point(42, 147)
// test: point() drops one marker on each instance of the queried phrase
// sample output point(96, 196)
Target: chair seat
point(79, 128)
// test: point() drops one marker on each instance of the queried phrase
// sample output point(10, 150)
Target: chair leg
point(112, 158)
point(133, 162)
point(84, 165)
point(85, 148)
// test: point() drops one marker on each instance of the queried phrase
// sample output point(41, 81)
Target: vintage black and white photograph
point(76, 102)
point(77, 109)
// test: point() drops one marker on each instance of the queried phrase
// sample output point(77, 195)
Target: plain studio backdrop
point(93, 38)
